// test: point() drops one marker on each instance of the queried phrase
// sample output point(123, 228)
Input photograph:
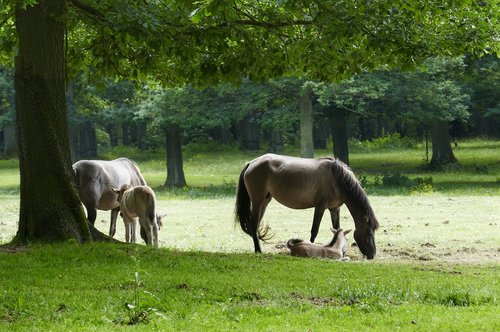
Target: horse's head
point(365, 240)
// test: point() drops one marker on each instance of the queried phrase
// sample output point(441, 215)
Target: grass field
point(437, 264)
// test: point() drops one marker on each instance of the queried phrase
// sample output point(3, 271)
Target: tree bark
point(50, 209)
point(339, 135)
point(175, 171)
point(306, 126)
point(442, 153)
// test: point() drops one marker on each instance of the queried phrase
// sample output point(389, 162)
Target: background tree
point(203, 43)
point(353, 95)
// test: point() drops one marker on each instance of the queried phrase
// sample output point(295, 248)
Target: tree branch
point(90, 11)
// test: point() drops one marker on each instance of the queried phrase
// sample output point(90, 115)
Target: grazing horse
point(300, 183)
point(139, 202)
point(335, 249)
point(95, 180)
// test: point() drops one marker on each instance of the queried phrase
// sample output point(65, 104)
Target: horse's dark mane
point(352, 188)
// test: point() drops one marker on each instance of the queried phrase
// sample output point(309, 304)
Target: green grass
point(436, 267)
point(92, 287)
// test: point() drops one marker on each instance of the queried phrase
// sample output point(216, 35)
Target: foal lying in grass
point(335, 249)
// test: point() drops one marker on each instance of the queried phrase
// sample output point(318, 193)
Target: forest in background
point(462, 94)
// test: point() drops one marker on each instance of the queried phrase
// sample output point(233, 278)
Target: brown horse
point(299, 183)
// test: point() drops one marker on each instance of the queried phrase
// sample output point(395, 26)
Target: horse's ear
point(333, 230)
point(347, 232)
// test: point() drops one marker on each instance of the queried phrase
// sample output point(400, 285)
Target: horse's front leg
point(318, 215)
point(91, 213)
point(335, 215)
point(112, 223)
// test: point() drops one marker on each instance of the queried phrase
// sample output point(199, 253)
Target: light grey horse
point(95, 180)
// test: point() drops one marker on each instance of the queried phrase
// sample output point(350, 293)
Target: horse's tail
point(293, 242)
point(242, 211)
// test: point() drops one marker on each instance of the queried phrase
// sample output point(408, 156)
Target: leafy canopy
point(208, 41)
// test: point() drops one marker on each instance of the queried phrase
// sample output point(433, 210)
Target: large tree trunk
point(306, 126)
point(175, 171)
point(339, 135)
point(442, 153)
point(50, 209)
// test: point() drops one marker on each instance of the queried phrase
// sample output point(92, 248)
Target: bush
point(418, 184)
point(388, 141)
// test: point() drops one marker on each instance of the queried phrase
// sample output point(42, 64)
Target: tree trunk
point(319, 135)
point(306, 126)
point(442, 153)
point(50, 209)
point(249, 129)
point(339, 135)
point(275, 142)
point(175, 172)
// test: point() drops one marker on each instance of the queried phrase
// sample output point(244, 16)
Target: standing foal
point(139, 202)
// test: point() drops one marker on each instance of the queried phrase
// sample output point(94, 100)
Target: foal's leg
point(126, 223)
point(148, 229)
point(133, 225)
point(318, 215)
point(112, 223)
point(155, 235)
point(335, 215)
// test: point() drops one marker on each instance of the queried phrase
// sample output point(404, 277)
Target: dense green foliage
point(95, 287)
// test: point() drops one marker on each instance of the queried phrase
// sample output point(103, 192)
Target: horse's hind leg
point(112, 222)
point(318, 215)
point(335, 215)
point(257, 214)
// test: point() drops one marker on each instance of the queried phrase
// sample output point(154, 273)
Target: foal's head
point(120, 192)
point(339, 239)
